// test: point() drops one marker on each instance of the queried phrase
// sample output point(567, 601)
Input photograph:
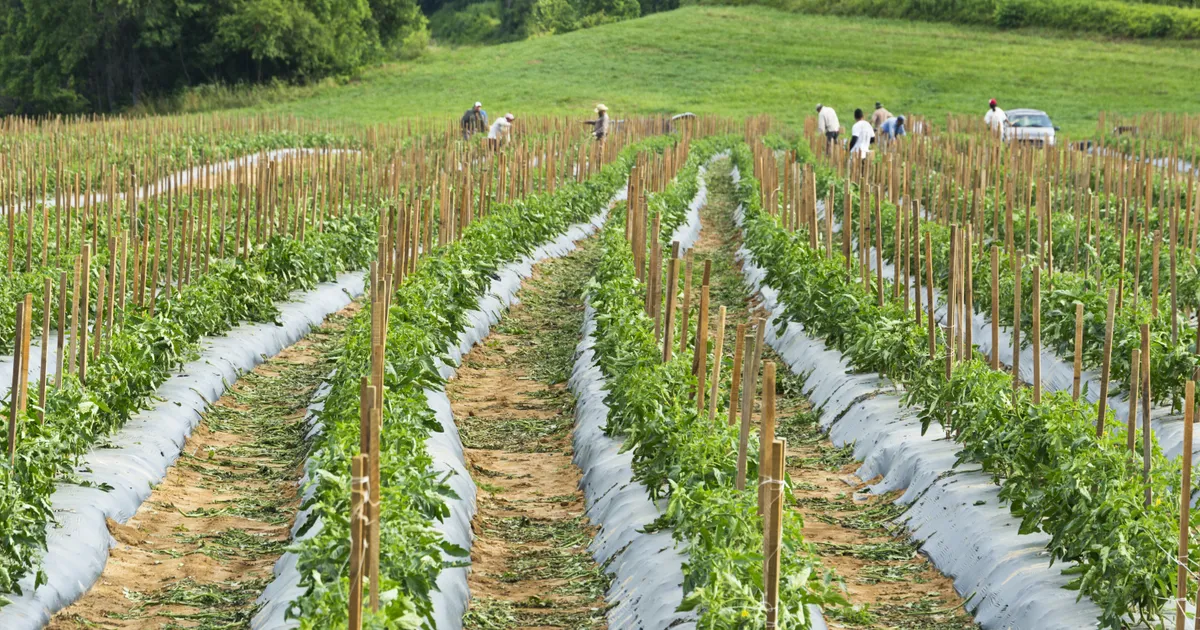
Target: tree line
point(69, 56)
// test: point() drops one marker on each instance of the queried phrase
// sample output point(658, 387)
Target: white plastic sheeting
point(138, 455)
point(955, 513)
point(646, 568)
point(445, 448)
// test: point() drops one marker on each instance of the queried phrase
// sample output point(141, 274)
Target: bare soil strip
point(530, 563)
point(200, 550)
point(890, 583)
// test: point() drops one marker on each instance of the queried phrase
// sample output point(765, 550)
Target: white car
point(1029, 125)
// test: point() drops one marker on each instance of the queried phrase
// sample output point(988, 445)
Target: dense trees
point(101, 55)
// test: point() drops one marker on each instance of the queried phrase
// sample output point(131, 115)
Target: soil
point(888, 582)
point(200, 550)
point(530, 563)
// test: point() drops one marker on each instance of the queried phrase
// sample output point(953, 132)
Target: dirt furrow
point(199, 551)
point(530, 563)
point(889, 583)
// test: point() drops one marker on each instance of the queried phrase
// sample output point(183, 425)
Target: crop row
point(427, 315)
point(139, 357)
point(686, 456)
point(1086, 491)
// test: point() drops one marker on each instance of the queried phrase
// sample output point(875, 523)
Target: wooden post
point(1135, 381)
point(359, 497)
point(1037, 335)
point(718, 349)
point(687, 303)
point(739, 349)
point(700, 360)
point(14, 392)
point(1075, 383)
point(62, 333)
point(82, 342)
point(1146, 444)
point(1102, 404)
point(929, 295)
point(669, 319)
point(1185, 496)
point(773, 534)
point(995, 308)
point(747, 397)
point(1016, 333)
point(766, 434)
point(47, 292)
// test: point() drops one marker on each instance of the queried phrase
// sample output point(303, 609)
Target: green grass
point(742, 61)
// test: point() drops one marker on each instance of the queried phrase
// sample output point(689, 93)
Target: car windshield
point(1030, 120)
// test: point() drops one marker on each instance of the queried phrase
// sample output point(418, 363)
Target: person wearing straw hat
point(600, 124)
point(501, 130)
point(474, 121)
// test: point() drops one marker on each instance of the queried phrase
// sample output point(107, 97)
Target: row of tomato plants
point(1085, 491)
point(143, 351)
point(1171, 361)
point(429, 311)
point(152, 222)
point(685, 457)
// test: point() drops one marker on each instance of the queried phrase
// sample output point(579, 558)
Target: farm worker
point(880, 116)
point(995, 117)
point(600, 124)
point(474, 121)
point(892, 127)
point(827, 123)
point(501, 130)
point(861, 135)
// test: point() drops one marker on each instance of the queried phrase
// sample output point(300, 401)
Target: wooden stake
point(700, 360)
point(1146, 444)
point(1102, 404)
point(1016, 333)
point(1135, 381)
point(995, 308)
point(766, 434)
point(718, 349)
point(773, 534)
point(1037, 335)
point(747, 395)
point(669, 320)
point(1076, 379)
point(359, 497)
point(739, 347)
point(47, 293)
point(1185, 496)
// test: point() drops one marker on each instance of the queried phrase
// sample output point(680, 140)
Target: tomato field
point(268, 372)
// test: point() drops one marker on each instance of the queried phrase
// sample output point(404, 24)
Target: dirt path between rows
point(200, 550)
point(530, 563)
point(889, 582)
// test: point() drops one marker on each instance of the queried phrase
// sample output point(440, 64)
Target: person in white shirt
point(827, 123)
point(861, 135)
point(501, 130)
point(995, 117)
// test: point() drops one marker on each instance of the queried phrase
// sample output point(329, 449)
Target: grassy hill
point(741, 61)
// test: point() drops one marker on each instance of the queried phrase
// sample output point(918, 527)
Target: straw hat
point(601, 108)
